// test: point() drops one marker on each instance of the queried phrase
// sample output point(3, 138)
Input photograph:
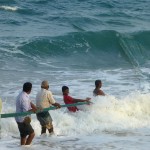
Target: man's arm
point(57, 105)
point(34, 108)
point(81, 100)
point(52, 100)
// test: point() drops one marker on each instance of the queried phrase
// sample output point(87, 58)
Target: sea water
point(73, 43)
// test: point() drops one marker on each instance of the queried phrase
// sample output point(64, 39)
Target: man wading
point(23, 104)
point(44, 99)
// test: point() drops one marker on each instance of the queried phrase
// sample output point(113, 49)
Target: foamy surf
point(74, 43)
point(11, 8)
point(109, 123)
point(104, 141)
point(106, 113)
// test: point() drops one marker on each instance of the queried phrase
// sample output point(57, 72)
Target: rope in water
point(46, 109)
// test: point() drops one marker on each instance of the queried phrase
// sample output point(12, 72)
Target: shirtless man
point(97, 91)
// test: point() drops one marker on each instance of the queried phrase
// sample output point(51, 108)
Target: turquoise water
point(100, 30)
point(62, 41)
point(74, 43)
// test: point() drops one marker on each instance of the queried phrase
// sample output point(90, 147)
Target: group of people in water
point(44, 99)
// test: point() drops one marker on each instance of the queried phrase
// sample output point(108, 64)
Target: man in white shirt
point(44, 99)
point(23, 104)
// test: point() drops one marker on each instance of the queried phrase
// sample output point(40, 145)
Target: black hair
point(64, 88)
point(27, 87)
point(97, 82)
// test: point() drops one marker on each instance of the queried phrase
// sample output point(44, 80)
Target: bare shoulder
point(100, 92)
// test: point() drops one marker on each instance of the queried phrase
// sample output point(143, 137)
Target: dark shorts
point(44, 118)
point(25, 129)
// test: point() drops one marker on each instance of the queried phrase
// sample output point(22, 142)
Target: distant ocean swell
point(102, 47)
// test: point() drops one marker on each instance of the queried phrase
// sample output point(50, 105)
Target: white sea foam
point(15, 8)
point(106, 113)
point(124, 118)
point(108, 119)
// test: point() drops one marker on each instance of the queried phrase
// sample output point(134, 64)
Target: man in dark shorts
point(23, 104)
point(45, 99)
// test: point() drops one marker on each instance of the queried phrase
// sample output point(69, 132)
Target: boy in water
point(69, 100)
point(97, 91)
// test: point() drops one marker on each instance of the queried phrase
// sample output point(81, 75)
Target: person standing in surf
point(97, 91)
point(23, 104)
point(0, 115)
point(44, 99)
point(70, 100)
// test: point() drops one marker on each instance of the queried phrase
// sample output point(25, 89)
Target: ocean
point(74, 43)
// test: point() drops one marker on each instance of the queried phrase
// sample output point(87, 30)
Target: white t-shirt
point(23, 104)
point(44, 99)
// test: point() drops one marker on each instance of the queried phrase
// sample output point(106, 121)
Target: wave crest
point(10, 8)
